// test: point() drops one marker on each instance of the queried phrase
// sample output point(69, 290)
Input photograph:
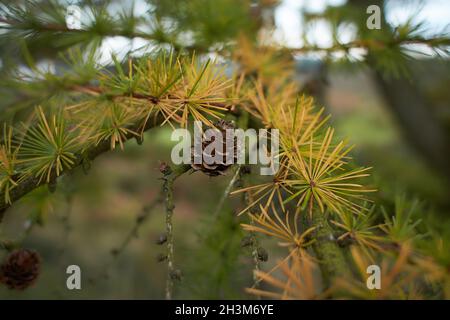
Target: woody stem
point(330, 256)
point(169, 178)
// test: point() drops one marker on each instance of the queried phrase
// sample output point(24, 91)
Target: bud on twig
point(246, 241)
point(161, 257)
point(262, 254)
point(176, 274)
point(162, 238)
point(164, 168)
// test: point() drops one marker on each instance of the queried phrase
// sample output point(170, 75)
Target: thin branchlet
point(169, 177)
point(112, 113)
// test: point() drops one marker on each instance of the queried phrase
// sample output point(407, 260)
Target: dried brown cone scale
point(220, 167)
point(20, 269)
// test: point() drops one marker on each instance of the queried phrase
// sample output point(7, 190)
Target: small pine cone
point(20, 269)
point(220, 166)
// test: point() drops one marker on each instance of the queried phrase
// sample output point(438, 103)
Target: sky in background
point(436, 13)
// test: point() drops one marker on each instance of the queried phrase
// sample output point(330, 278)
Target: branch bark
point(170, 175)
point(331, 257)
point(31, 182)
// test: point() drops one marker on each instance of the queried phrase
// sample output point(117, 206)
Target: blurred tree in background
point(67, 99)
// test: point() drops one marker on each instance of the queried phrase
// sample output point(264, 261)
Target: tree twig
point(331, 258)
point(254, 243)
point(107, 32)
point(118, 251)
point(170, 175)
point(371, 44)
point(134, 231)
point(227, 191)
point(31, 182)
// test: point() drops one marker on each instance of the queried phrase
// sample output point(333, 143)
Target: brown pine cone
point(220, 166)
point(20, 269)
